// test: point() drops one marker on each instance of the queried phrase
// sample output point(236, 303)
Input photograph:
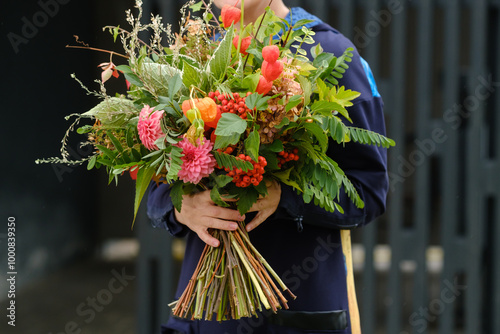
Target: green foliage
point(144, 176)
point(364, 136)
point(230, 161)
point(221, 58)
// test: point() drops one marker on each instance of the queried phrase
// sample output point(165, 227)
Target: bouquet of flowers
point(225, 110)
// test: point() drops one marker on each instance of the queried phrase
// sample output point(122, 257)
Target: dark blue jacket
point(302, 241)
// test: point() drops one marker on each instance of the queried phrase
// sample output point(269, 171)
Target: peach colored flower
point(149, 127)
point(197, 161)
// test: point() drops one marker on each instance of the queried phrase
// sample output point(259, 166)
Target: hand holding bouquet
point(226, 111)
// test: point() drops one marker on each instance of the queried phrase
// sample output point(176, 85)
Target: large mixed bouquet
point(226, 110)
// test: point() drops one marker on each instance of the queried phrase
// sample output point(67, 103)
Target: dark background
point(442, 220)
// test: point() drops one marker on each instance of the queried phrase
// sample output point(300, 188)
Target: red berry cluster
point(253, 176)
point(234, 104)
point(284, 157)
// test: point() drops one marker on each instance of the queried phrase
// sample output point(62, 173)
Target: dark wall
point(61, 213)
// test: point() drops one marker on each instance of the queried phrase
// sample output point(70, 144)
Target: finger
point(208, 239)
point(221, 224)
point(225, 213)
point(258, 219)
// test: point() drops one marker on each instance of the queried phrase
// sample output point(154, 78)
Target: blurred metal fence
point(436, 66)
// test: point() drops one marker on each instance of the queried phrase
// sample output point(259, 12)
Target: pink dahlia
point(197, 161)
point(149, 127)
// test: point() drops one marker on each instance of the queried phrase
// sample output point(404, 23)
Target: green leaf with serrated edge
point(230, 124)
point(216, 198)
point(115, 142)
point(157, 76)
point(293, 102)
point(176, 193)
point(144, 176)
point(221, 58)
point(252, 144)
point(113, 112)
point(191, 76)
point(246, 199)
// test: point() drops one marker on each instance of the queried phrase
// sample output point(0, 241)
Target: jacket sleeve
point(160, 210)
point(364, 165)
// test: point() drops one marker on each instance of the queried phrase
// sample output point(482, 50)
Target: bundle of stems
point(231, 281)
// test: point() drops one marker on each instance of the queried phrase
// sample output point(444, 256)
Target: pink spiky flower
point(197, 161)
point(149, 127)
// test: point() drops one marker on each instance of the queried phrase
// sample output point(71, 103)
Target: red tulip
point(271, 53)
point(230, 15)
point(264, 86)
point(271, 71)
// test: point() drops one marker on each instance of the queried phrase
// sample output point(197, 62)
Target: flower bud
point(230, 15)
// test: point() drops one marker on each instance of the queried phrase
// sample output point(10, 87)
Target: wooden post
point(345, 237)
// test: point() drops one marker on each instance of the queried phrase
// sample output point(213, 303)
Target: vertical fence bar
point(475, 197)
point(496, 225)
point(346, 22)
point(449, 172)
point(422, 192)
point(369, 237)
point(396, 104)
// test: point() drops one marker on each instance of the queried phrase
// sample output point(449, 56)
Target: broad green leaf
point(293, 102)
point(216, 198)
point(257, 101)
point(176, 193)
point(230, 124)
point(191, 76)
point(113, 111)
point(144, 176)
point(174, 85)
point(157, 76)
point(133, 79)
point(252, 144)
point(225, 141)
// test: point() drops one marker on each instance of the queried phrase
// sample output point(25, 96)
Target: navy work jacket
point(302, 241)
